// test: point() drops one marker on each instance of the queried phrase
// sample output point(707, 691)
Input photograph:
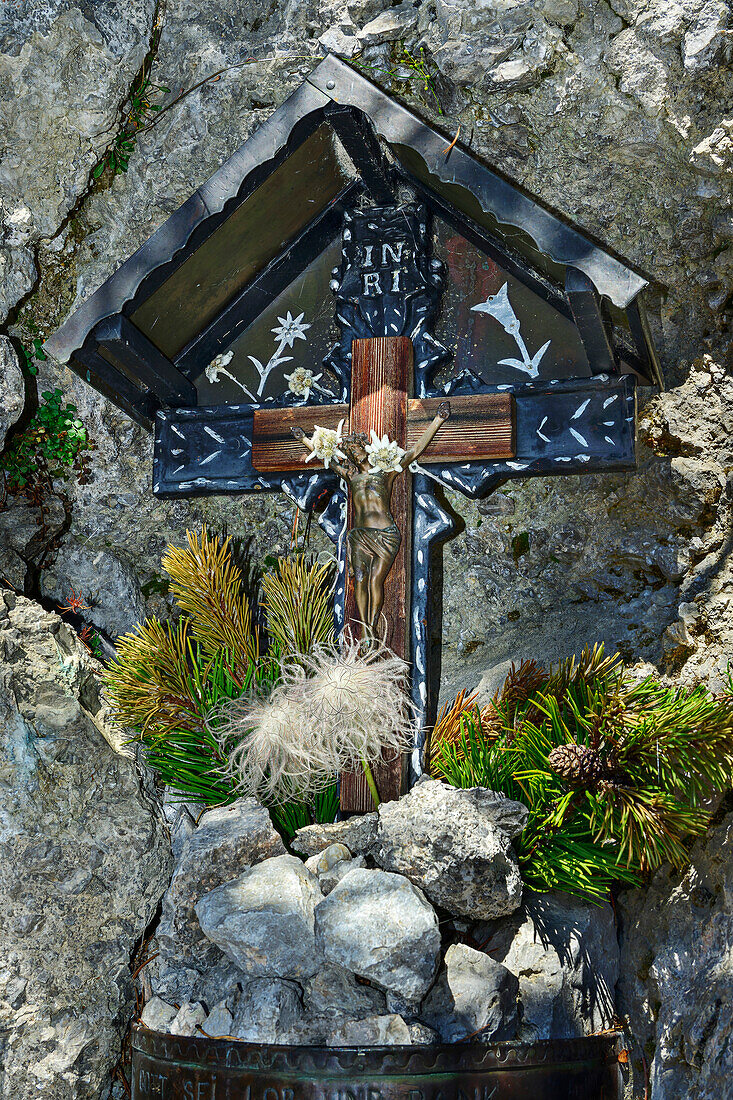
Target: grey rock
point(336, 40)
point(209, 979)
point(331, 865)
point(372, 1031)
point(26, 533)
point(228, 840)
point(12, 388)
point(181, 816)
point(85, 861)
point(219, 1022)
point(158, 1015)
point(565, 954)
point(264, 920)
point(109, 587)
point(43, 46)
point(473, 993)
point(455, 845)
point(188, 1020)
point(267, 1010)
point(379, 926)
point(358, 834)
point(334, 991)
point(421, 1035)
point(389, 25)
point(675, 980)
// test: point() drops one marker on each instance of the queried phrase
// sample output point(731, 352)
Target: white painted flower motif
point(385, 454)
point(302, 381)
point(500, 308)
point(325, 443)
point(218, 366)
point(290, 329)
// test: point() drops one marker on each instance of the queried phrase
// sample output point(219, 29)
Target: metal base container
point(167, 1067)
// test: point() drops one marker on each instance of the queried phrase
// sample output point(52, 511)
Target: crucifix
point(387, 283)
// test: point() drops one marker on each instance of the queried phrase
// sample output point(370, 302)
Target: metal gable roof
point(457, 179)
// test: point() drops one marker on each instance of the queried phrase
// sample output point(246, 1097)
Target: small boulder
point(565, 954)
point(189, 1019)
point(266, 1011)
point(372, 1031)
point(421, 1035)
point(456, 846)
point(334, 991)
point(358, 834)
point(473, 996)
point(381, 927)
point(331, 865)
point(219, 1022)
point(264, 920)
point(226, 842)
point(158, 1015)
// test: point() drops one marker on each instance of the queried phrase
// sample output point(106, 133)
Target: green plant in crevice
point(615, 773)
point(417, 67)
point(30, 356)
point(141, 111)
point(55, 444)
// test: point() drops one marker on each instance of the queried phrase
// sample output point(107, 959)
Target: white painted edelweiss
point(326, 444)
point(218, 366)
point(384, 454)
point(290, 329)
point(302, 380)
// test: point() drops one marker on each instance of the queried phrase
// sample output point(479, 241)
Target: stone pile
point(406, 926)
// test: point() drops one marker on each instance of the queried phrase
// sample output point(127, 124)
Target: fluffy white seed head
point(328, 714)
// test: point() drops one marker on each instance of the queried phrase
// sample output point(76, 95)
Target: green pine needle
point(663, 751)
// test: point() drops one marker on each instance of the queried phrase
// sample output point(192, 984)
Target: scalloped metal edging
point(176, 1068)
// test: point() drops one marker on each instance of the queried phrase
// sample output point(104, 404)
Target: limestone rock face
point(264, 919)
point(473, 994)
point(676, 979)
point(611, 113)
point(456, 846)
point(109, 586)
point(12, 388)
point(84, 862)
point(227, 841)
point(379, 926)
point(565, 955)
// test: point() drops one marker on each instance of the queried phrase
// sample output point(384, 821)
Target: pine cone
point(576, 764)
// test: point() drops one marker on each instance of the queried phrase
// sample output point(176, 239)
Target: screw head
point(330, 84)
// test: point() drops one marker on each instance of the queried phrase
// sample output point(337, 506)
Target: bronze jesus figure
point(374, 538)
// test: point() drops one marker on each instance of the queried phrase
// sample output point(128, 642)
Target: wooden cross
point(481, 427)
point(387, 292)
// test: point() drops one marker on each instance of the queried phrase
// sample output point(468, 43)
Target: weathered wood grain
point(381, 378)
point(273, 445)
point(480, 426)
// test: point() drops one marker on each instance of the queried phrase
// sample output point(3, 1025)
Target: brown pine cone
point(576, 764)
